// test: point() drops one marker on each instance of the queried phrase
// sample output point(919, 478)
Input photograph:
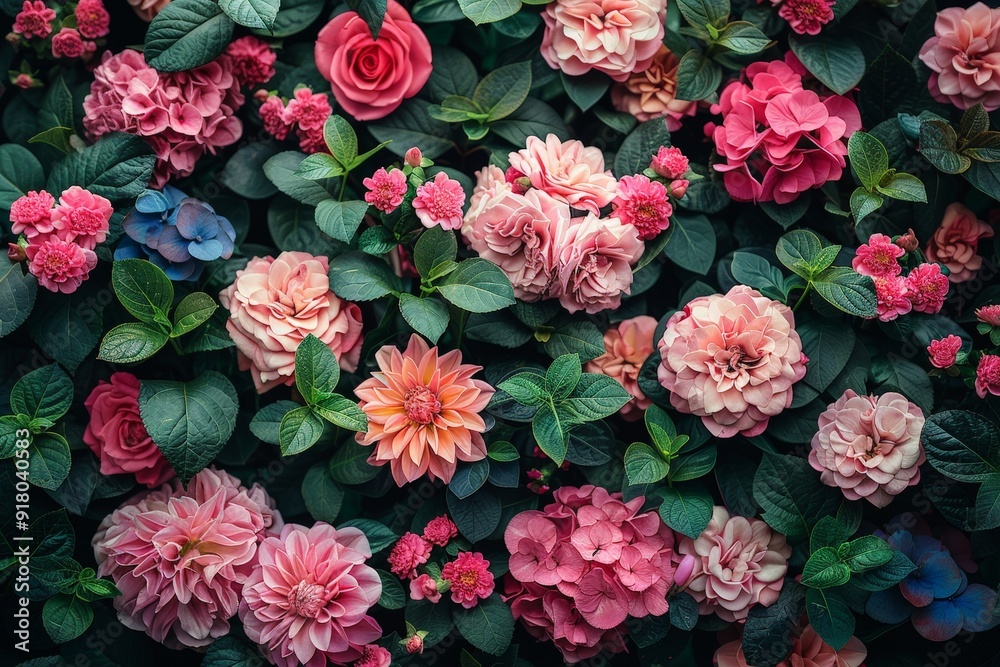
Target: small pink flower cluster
point(182, 115)
point(253, 60)
point(923, 290)
point(778, 139)
point(806, 17)
point(583, 565)
point(90, 21)
point(61, 237)
point(305, 113)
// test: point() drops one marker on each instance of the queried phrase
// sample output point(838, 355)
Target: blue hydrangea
point(176, 232)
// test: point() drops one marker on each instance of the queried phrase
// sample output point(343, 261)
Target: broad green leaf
point(477, 286)
point(342, 412)
point(131, 343)
point(697, 77)
point(691, 244)
point(187, 34)
point(316, 370)
point(798, 251)
point(281, 168)
point(830, 617)
point(791, 495)
point(434, 247)
point(300, 429)
point(643, 465)
point(640, 146)
point(867, 553)
point(586, 90)
point(847, 290)
point(549, 429)
point(488, 11)
point(356, 276)
point(192, 311)
point(341, 140)
point(864, 203)
point(836, 61)
point(743, 38)
point(595, 397)
point(317, 167)
point(489, 626)
point(144, 289)
point(904, 187)
point(66, 617)
point(962, 445)
point(476, 516)
point(686, 507)
point(17, 295)
point(340, 219)
point(825, 570)
point(20, 171)
point(321, 494)
point(869, 158)
point(49, 461)
point(428, 316)
point(259, 14)
point(117, 166)
point(503, 90)
point(563, 376)
point(44, 393)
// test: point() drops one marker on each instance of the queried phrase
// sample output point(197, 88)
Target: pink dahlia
point(956, 242)
point(878, 258)
point(253, 60)
point(869, 446)
point(643, 204)
point(807, 17)
point(893, 297)
point(566, 171)
point(652, 92)
point(964, 57)
point(307, 601)
point(440, 530)
point(82, 217)
point(470, 578)
point(927, 288)
point(34, 20)
point(92, 19)
point(31, 214)
point(595, 263)
point(410, 552)
point(180, 557)
point(439, 202)
point(627, 345)
point(386, 189)
point(669, 162)
point(423, 412)
point(988, 375)
point(60, 266)
point(738, 563)
point(732, 360)
point(808, 650)
point(944, 352)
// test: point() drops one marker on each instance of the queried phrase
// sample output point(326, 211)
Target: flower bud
point(15, 253)
point(684, 570)
point(413, 157)
point(908, 241)
point(415, 644)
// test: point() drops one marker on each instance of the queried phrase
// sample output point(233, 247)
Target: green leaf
point(265, 424)
point(477, 286)
point(938, 143)
point(744, 38)
point(434, 247)
point(476, 516)
point(373, 12)
point(131, 343)
point(300, 429)
point(376, 241)
point(244, 172)
point(700, 13)
point(349, 464)
point(356, 276)
point(595, 397)
point(835, 60)
point(640, 146)
point(187, 34)
point(687, 508)
point(428, 316)
point(489, 626)
point(830, 617)
point(691, 244)
point(316, 370)
point(824, 569)
point(144, 289)
point(341, 140)
point(503, 90)
point(798, 250)
point(117, 166)
point(488, 11)
point(259, 14)
point(697, 77)
point(988, 504)
point(281, 168)
point(848, 291)
point(643, 465)
point(533, 118)
point(864, 203)
point(886, 575)
point(230, 652)
point(526, 388)
point(583, 338)
point(189, 421)
point(411, 125)
point(317, 167)
point(962, 445)
point(549, 430)
point(393, 596)
point(904, 187)
point(17, 295)
point(49, 462)
point(756, 272)
point(20, 171)
point(502, 451)
point(828, 345)
point(66, 617)
point(379, 535)
point(694, 465)
point(44, 393)
point(563, 376)
point(57, 137)
point(321, 494)
point(340, 219)
point(869, 158)
point(867, 553)
point(586, 90)
point(469, 478)
point(193, 309)
point(791, 495)
point(342, 412)
point(769, 631)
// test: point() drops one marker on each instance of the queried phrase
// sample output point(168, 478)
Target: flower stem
point(803, 296)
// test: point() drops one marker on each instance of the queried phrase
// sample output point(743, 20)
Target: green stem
point(802, 298)
point(177, 347)
point(343, 186)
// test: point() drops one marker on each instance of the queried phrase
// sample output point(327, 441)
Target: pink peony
point(253, 60)
point(732, 360)
point(371, 77)
point(82, 217)
point(34, 20)
point(566, 171)
point(626, 347)
point(652, 92)
point(425, 588)
point(116, 434)
point(440, 530)
point(989, 315)
point(469, 577)
point(807, 17)
point(60, 266)
point(643, 204)
point(988, 375)
point(409, 553)
point(927, 288)
point(31, 214)
point(869, 446)
point(878, 258)
point(180, 557)
point(670, 163)
point(616, 37)
point(956, 242)
point(893, 298)
point(92, 19)
point(964, 57)
point(596, 258)
point(944, 352)
point(275, 303)
point(808, 650)
point(386, 189)
point(306, 603)
point(439, 202)
point(738, 563)
point(68, 44)
point(373, 655)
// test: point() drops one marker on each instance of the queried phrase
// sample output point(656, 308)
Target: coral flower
point(627, 345)
point(423, 411)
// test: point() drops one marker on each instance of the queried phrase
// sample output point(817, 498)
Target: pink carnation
point(470, 579)
point(988, 375)
point(440, 530)
point(566, 171)
point(927, 288)
point(308, 110)
point(386, 189)
point(34, 20)
point(425, 588)
point(989, 315)
point(180, 557)
point(956, 242)
point(808, 650)
point(893, 297)
point(253, 60)
point(439, 202)
point(807, 17)
point(82, 217)
point(643, 204)
point(306, 604)
point(627, 345)
point(92, 19)
point(879, 257)
point(595, 263)
point(60, 266)
point(732, 360)
point(31, 214)
point(373, 655)
point(943, 352)
point(738, 563)
point(669, 162)
point(410, 552)
point(869, 446)
point(272, 114)
point(964, 57)
point(68, 44)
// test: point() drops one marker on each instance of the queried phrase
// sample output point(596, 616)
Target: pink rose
point(567, 171)
point(595, 263)
point(117, 435)
point(616, 37)
point(956, 242)
point(652, 92)
point(627, 345)
point(943, 352)
point(371, 77)
point(964, 57)
point(275, 303)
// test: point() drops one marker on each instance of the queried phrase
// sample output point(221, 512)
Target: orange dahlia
point(423, 411)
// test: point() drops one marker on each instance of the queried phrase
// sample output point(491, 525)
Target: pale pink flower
point(808, 650)
point(739, 563)
point(943, 352)
point(956, 242)
point(567, 171)
point(964, 57)
point(807, 17)
point(627, 345)
point(595, 263)
point(306, 603)
point(373, 655)
point(732, 360)
point(423, 412)
point(60, 266)
point(616, 37)
point(82, 217)
point(670, 163)
point(879, 257)
point(275, 303)
point(409, 552)
point(386, 189)
point(643, 204)
point(893, 297)
point(470, 578)
point(253, 60)
point(31, 214)
point(988, 375)
point(927, 288)
point(413, 157)
point(652, 92)
point(439, 202)
point(425, 588)
point(92, 19)
point(869, 446)
point(685, 569)
point(989, 315)
point(440, 530)
point(34, 20)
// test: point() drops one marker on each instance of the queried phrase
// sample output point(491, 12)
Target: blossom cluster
point(71, 32)
point(923, 290)
point(304, 114)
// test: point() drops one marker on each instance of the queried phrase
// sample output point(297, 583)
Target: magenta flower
point(469, 577)
point(643, 204)
point(944, 351)
point(410, 552)
point(878, 258)
point(927, 288)
point(31, 214)
point(440, 530)
point(988, 375)
point(385, 189)
point(34, 20)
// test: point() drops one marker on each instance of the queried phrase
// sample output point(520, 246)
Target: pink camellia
point(670, 162)
point(60, 266)
point(566, 171)
point(652, 92)
point(627, 345)
point(306, 603)
point(869, 446)
point(386, 189)
point(82, 217)
point(440, 530)
point(34, 20)
point(68, 44)
point(807, 17)
point(31, 214)
point(738, 563)
point(116, 434)
point(410, 552)
point(878, 258)
point(892, 297)
point(989, 315)
point(596, 258)
point(180, 556)
point(92, 19)
point(616, 37)
point(275, 303)
point(371, 77)
point(732, 360)
point(988, 375)
point(778, 140)
point(956, 242)
point(469, 577)
point(943, 352)
point(425, 588)
point(964, 57)
point(253, 60)
point(927, 288)
point(808, 650)
point(644, 204)
point(439, 202)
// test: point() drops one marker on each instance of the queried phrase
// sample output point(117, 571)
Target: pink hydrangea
point(595, 263)
point(253, 60)
point(470, 578)
point(439, 202)
point(964, 57)
point(892, 296)
point(777, 139)
point(989, 315)
point(82, 217)
point(386, 189)
point(440, 530)
point(68, 44)
point(180, 556)
point(425, 588)
point(988, 375)
point(373, 655)
point(738, 563)
point(31, 214)
point(585, 563)
point(643, 204)
point(879, 257)
point(409, 553)
point(92, 19)
point(927, 288)
point(807, 17)
point(34, 20)
point(566, 171)
point(869, 446)
point(60, 266)
point(627, 345)
point(669, 162)
point(943, 352)
point(306, 603)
